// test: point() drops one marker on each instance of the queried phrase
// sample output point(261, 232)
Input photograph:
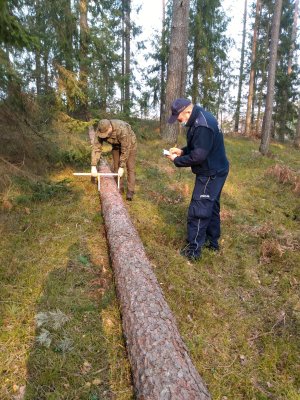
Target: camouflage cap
point(103, 127)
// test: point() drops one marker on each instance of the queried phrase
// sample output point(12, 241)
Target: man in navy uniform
point(205, 154)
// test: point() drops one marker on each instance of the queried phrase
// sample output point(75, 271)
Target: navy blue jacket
point(205, 150)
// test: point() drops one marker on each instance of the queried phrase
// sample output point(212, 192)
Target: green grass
point(238, 310)
point(54, 260)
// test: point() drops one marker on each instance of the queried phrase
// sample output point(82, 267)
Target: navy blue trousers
point(203, 222)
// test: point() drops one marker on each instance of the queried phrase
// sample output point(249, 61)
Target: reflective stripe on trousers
point(204, 212)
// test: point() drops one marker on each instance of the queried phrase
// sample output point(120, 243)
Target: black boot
point(129, 195)
point(189, 253)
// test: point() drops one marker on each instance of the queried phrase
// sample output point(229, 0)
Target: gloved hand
point(175, 150)
point(121, 172)
point(94, 171)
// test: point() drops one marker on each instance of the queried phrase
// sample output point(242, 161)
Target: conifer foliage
point(82, 55)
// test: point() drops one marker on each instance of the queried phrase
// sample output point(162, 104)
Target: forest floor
point(237, 310)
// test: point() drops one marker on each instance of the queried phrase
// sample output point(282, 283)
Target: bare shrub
point(286, 175)
point(263, 231)
point(270, 249)
point(275, 245)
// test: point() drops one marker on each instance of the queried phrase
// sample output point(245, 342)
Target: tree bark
point(252, 72)
point(177, 65)
point(253, 100)
point(38, 70)
point(262, 84)
point(238, 102)
point(161, 366)
point(294, 37)
point(196, 55)
point(68, 28)
point(283, 117)
point(297, 137)
point(45, 68)
point(267, 121)
point(122, 56)
point(83, 56)
point(127, 71)
point(37, 54)
point(163, 64)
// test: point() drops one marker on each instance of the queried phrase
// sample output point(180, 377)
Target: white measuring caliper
point(98, 176)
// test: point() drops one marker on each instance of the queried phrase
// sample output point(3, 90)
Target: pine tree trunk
point(219, 112)
point(262, 84)
point(39, 32)
point(294, 37)
point(83, 56)
point(68, 39)
point(38, 71)
point(238, 102)
point(127, 72)
point(163, 64)
point(160, 364)
point(46, 73)
point(196, 56)
point(253, 101)
point(267, 121)
point(123, 56)
point(252, 72)
point(177, 65)
point(297, 137)
point(283, 111)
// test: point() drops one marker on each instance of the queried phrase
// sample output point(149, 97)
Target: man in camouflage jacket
point(124, 145)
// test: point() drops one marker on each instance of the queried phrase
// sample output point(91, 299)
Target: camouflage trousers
point(130, 167)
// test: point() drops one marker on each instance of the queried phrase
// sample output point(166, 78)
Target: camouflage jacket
point(122, 137)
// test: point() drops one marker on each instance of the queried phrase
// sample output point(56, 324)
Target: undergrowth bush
point(79, 157)
point(41, 190)
point(285, 175)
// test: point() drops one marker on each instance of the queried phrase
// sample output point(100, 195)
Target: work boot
point(210, 246)
point(129, 195)
point(188, 253)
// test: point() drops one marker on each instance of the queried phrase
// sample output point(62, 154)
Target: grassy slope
point(238, 310)
point(54, 258)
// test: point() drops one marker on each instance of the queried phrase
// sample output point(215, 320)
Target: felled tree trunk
point(161, 366)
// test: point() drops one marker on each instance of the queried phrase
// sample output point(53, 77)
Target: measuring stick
point(98, 176)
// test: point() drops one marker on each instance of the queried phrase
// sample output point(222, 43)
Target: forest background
point(89, 54)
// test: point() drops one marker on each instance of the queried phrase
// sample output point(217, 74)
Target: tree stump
point(160, 364)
